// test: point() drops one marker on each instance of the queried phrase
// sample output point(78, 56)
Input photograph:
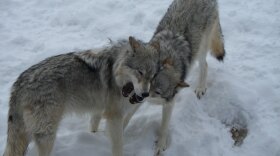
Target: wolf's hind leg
point(94, 121)
point(42, 119)
point(44, 143)
point(44, 140)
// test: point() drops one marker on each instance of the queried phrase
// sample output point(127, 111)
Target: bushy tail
point(17, 140)
point(217, 41)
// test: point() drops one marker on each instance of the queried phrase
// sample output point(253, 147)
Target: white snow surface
point(243, 90)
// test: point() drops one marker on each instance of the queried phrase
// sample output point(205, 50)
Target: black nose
point(145, 94)
point(139, 98)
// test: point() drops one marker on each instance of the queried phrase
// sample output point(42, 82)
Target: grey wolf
point(167, 82)
point(198, 21)
point(186, 32)
point(78, 82)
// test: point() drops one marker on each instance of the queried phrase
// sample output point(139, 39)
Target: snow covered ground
point(244, 90)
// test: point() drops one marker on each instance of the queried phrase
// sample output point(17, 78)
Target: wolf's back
point(184, 16)
point(192, 18)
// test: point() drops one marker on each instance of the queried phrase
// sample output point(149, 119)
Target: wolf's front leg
point(115, 129)
point(130, 114)
point(161, 144)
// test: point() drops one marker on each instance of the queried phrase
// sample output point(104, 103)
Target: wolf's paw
point(93, 130)
point(160, 148)
point(200, 91)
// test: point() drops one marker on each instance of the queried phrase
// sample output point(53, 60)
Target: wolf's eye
point(141, 73)
point(157, 92)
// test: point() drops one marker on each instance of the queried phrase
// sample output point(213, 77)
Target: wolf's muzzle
point(135, 99)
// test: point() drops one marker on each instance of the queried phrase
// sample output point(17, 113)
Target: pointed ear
point(133, 43)
point(156, 45)
point(182, 84)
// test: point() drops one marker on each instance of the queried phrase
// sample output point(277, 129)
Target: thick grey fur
point(191, 18)
point(176, 49)
point(77, 82)
point(198, 22)
point(186, 32)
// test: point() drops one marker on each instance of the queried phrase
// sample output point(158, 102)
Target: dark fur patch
point(221, 57)
point(134, 99)
point(10, 119)
point(184, 69)
point(78, 59)
point(110, 63)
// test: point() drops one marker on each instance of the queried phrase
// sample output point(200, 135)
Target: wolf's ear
point(133, 43)
point(168, 63)
point(182, 84)
point(156, 45)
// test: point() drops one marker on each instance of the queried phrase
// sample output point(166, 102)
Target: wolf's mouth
point(126, 91)
point(135, 99)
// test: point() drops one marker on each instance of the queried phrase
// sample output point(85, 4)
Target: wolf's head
point(138, 65)
point(167, 82)
point(175, 59)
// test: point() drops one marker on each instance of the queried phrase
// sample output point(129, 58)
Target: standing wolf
point(198, 21)
point(187, 31)
point(78, 82)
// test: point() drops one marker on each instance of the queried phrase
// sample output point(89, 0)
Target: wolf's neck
point(101, 61)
